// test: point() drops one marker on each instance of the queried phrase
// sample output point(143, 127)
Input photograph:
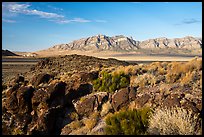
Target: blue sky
point(33, 26)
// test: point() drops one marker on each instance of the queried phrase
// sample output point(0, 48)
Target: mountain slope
point(8, 53)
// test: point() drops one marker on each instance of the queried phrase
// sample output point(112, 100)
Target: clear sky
point(32, 26)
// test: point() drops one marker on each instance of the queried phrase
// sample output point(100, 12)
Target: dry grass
point(106, 108)
point(174, 121)
point(128, 70)
point(91, 122)
point(143, 80)
point(186, 73)
point(76, 125)
point(200, 81)
point(189, 78)
point(179, 67)
point(74, 116)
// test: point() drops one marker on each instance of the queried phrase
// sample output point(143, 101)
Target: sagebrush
point(173, 121)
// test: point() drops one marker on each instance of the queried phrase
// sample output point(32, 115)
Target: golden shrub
point(201, 81)
point(195, 63)
point(189, 78)
point(106, 108)
point(176, 67)
point(74, 116)
point(17, 131)
point(90, 123)
point(172, 77)
point(75, 124)
point(161, 71)
point(95, 115)
point(132, 81)
point(153, 67)
point(173, 121)
point(92, 120)
point(128, 70)
point(143, 80)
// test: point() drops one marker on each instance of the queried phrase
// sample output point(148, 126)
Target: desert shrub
point(194, 64)
point(128, 70)
point(143, 80)
point(130, 122)
point(175, 67)
point(107, 107)
point(110, 82)
point(152, 68)
point(200, 82)
point(164, 65)
point(173, 121)
point(172, 77)
point(178, 69)
point(74, 116)
point(75, 124)
point(161, 71)
point(92, 120)
point(17, 131)
point(189, 78)
point(90, 123)
point(4, 86)
point(124, 82)
point(132, 81)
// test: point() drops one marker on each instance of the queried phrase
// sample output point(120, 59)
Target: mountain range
point(123, 43)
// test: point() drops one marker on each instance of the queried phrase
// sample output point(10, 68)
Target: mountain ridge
point(123, 43)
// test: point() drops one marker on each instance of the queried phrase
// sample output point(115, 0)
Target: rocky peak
point(99, 42)
point(123, 43)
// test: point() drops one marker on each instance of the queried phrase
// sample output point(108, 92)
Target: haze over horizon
point(32, 26)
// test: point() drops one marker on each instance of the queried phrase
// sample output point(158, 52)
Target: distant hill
point(123, 43)
point(8, 53)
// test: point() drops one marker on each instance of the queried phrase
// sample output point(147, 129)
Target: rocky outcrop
point(50, 101)
point(92, 102)
point(58, 66)
point(122, 43)
point(40, 78)
point(24, 95)
point(123, 97)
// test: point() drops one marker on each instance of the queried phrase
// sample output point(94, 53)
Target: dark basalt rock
point(90, 103)
point(38, 97)
point(78, 91)
point(12, 90)
point(141, 101)
point(85, 77)
point(19, 79)
point(132, 93)
point(11, 104)
point(120, 98)
point(24, 95)
point(40, 78)
point(86, 106)
point(190, 105)
point(45, 124)
point(56, 94)
point(172, 101)
point(123, 97)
